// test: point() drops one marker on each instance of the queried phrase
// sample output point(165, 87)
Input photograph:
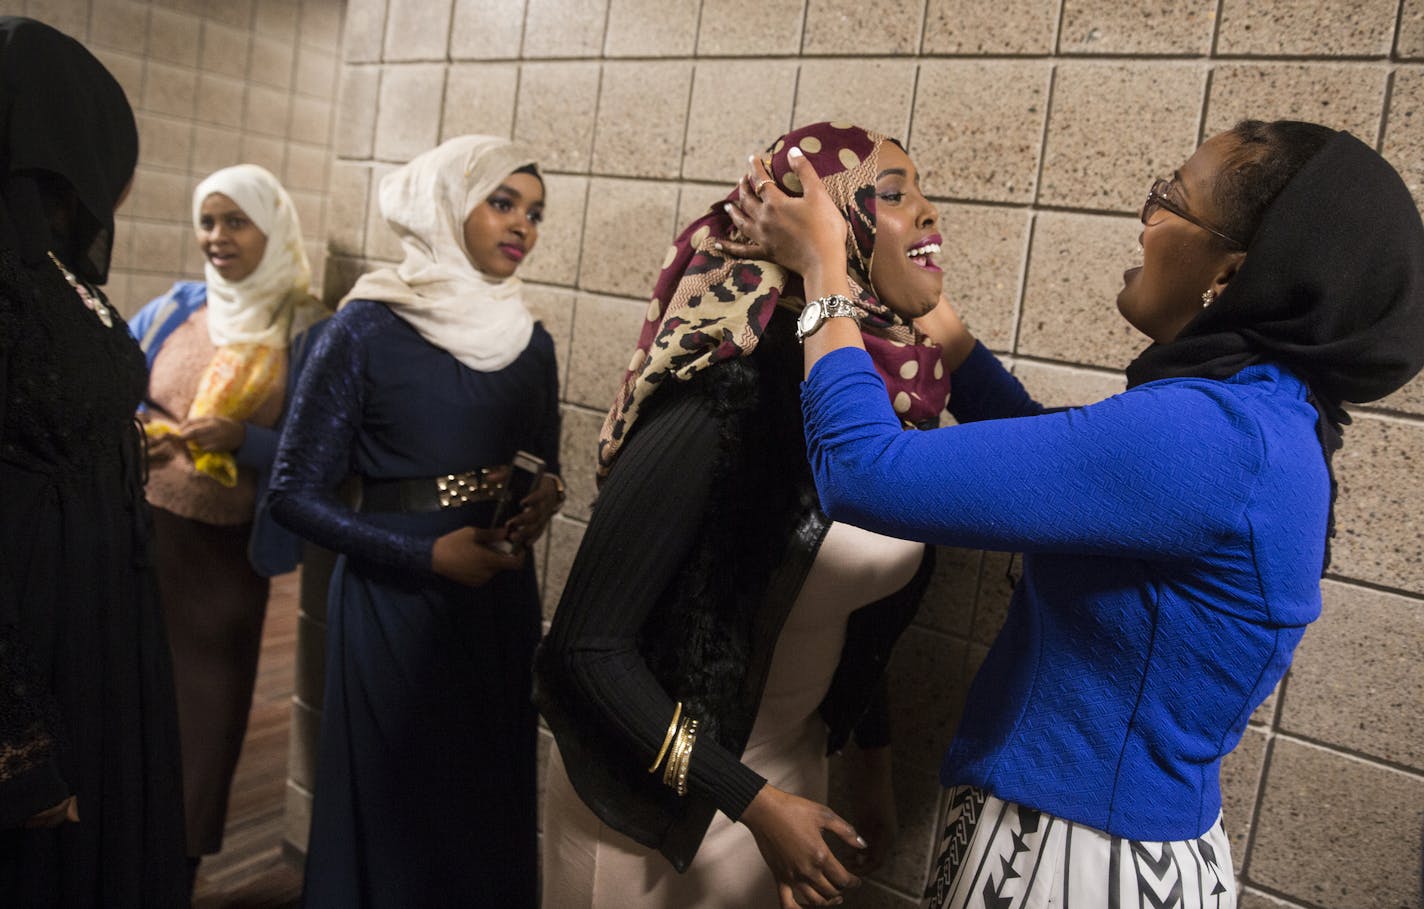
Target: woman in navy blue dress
point(425, 790)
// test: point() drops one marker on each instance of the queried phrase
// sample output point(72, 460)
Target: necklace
point(95, 305)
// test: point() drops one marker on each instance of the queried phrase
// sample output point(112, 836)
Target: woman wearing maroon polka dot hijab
point(717, 636)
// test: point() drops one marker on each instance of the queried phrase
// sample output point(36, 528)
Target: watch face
point(810, 317)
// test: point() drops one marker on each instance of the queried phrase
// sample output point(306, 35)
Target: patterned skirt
point(994, 854)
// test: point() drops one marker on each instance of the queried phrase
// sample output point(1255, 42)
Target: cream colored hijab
point(268, 306)
point(481, 321)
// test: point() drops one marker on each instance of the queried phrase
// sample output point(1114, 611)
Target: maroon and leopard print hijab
point(708, 306)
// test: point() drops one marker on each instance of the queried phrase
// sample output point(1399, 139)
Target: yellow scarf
point(239, 378)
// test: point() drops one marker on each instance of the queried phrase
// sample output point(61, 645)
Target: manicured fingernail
point(860, 841)
point(795, 152)
point(727, 207)
point(716, 244)
point(751, 159)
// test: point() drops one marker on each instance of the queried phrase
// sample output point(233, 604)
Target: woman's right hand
point(789, 832)
point(464, 557)
point(805, 233)
point(67, 810)
point(214, 433)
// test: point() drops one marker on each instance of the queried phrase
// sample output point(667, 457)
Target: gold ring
point(760, 183)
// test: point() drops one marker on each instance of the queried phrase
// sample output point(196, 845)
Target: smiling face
point(1181, 260)
point(902, 268)
point(230, 242)
point(502, 230)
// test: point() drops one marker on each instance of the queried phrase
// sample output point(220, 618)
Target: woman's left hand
point(214, 433)
point(790, 833)
point(165, 448)
point(538, 508)
point(872, 807)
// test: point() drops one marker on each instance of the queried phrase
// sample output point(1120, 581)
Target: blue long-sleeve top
point(1173, 538)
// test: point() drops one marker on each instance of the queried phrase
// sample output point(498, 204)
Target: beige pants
point(586, 865)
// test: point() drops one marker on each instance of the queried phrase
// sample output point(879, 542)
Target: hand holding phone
point(518, 513)
point(470, 556)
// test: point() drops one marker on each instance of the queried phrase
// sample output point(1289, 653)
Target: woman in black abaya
point(90, 795)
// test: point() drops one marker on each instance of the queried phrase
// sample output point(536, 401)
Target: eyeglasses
point(1157, 198)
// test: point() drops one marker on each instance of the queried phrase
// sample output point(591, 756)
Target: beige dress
point(213, 601)
point(587, 865)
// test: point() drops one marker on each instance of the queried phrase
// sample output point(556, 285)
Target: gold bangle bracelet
point(670, 770)
point(685, 761)
point(675, 774)
point(667, 740)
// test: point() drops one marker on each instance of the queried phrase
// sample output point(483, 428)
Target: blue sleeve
point(314, 457)
point(152, 325)
point(1161, 471)
point(258, 448)
point(142, 320)
point(982, 389)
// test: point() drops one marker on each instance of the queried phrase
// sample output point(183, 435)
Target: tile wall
point(1037, 125)
point(211, 84)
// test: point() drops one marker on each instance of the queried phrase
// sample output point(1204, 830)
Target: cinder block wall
point(211, 84)
point(1038, 125)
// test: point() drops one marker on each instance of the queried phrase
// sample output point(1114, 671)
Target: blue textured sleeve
point(982, 389)
point(1160, 471)
point(314, 455)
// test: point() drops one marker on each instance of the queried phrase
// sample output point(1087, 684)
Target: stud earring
point(1208, 298)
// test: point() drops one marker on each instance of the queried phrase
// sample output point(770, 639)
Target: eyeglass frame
point(1157, 198)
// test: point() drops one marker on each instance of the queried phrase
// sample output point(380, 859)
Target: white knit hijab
point(265, 307)
point(481, 321)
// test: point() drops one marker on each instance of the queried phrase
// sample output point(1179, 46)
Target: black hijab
point(62, 114)
point(1332, 288)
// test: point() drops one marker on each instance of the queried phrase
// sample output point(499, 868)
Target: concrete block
point(721, 129)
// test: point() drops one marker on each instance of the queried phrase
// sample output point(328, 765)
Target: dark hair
point(532, 170)
point(1265, 159)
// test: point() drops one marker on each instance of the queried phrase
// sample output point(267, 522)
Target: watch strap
point(827, 307)
point(839, 305)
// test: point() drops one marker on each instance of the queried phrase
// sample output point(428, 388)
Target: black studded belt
point(453, 490)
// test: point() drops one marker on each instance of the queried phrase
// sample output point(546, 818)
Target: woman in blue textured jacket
point(1173, 535)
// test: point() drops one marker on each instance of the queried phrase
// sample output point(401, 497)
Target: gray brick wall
point(1038, 125)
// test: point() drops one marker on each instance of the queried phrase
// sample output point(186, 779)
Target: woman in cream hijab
point(218, 358)
point(429, 380)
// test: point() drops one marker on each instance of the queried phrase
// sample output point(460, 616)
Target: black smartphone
point(524, 473)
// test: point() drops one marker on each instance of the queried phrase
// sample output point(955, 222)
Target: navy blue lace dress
point(425, 791)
